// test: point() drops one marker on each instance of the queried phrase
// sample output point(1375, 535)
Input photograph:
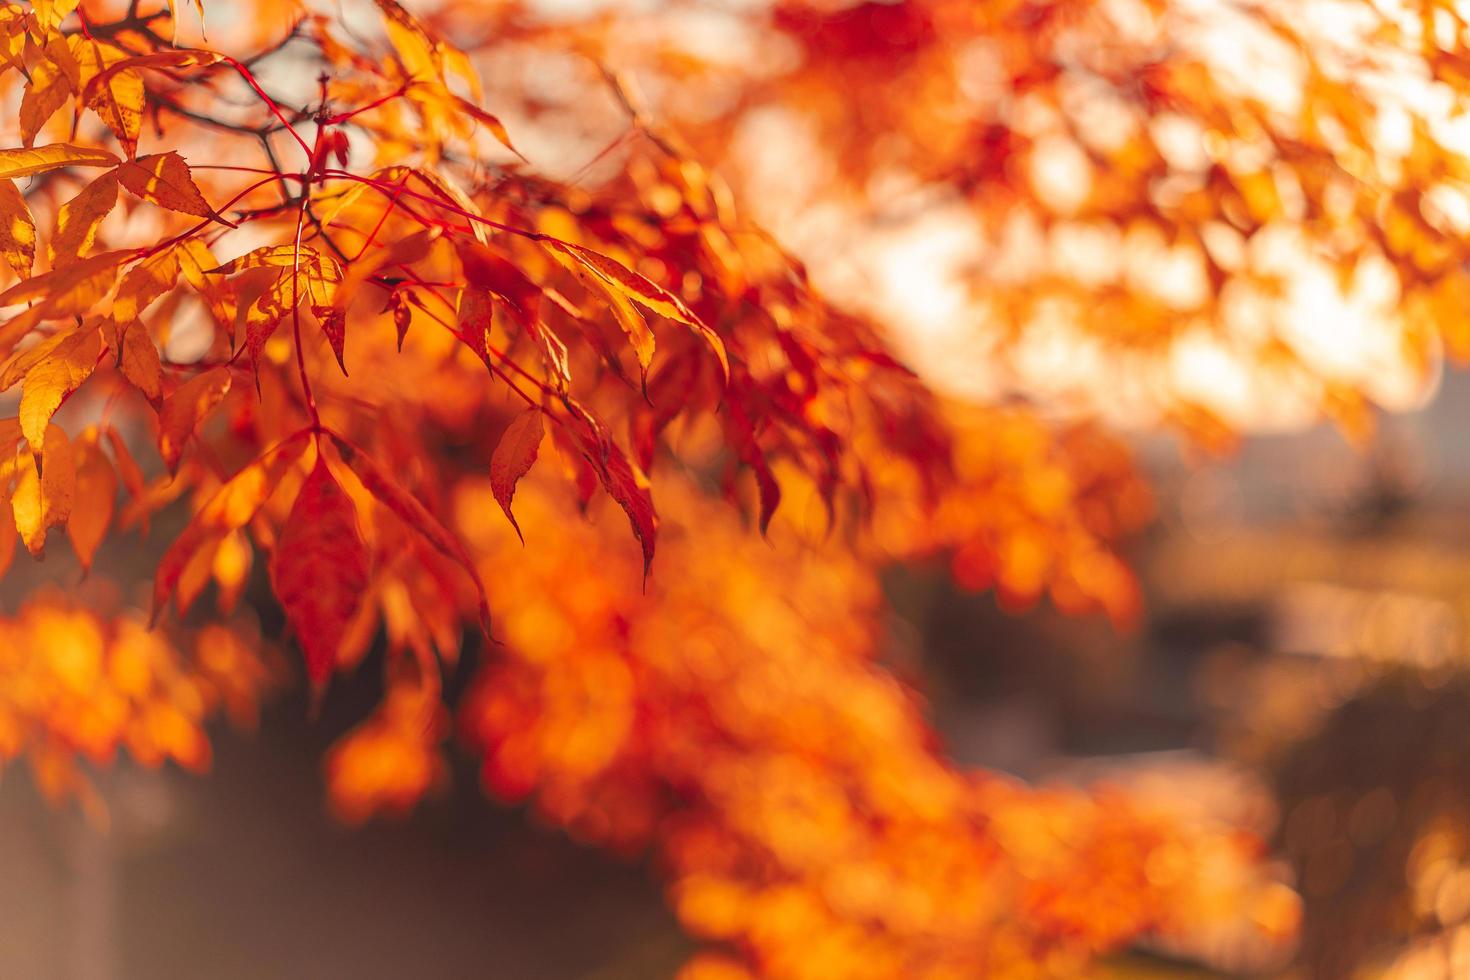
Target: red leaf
point(415, 515)
point(320, 569)
point(512, 459)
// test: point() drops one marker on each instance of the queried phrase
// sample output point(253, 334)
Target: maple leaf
point(17, 230)
point(78, 219)
point(43, 495)
point(184, 409)
point(415, 515)
point(95, 497)
point(513, 458)
point(164, 179)
point(137, 358)
point(68, 360)
point(24, 162)
point(320, 569)
point(231, 507)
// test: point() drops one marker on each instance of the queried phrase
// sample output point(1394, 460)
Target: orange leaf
point(145, 282)
point(184, 409)
point(137, 358)
point(232, 507)
point(164, 179)
point(96, 495)
point(45, 92)
point(513, 458)
point(77, 221)
point(319, 570)
point(112, 90)
point(644, 291)
point(415, 515)
point(23, 162)
point(65, 292)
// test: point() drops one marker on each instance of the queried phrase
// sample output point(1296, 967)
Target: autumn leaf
point(137, 357)
point(17, 230)
point(127, 467)
point(24, 162)
point(78, 219)
point(414, 514)
point(230, 508)
point(513, 458)
point(333, 322)
point(55, 376)
point(43, 495)
point(164, 179)
point(618, 476)
point(115, 92)
point(319, 570)
point(146, 281)
point(184, 409)
point(158, 60)
point(46, 91)
point(50, 13)
point(640, 289)
point(640, 337)
point(96, 496)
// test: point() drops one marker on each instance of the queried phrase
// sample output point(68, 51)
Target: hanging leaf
point(137, 357)
point(513, 458)
point(319, 569)
point(17, 230)
point(116, 95)
point(55, 376)
point(415, 515)
point(640, 289)
point(78, 219)
point(43, 494)
point(186, 408)
point(96, 496)
point(231, 507)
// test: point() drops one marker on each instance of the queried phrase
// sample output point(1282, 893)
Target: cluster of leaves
point(78, 684)
point(1183, 195)
point(378, 348)
point(734, 717)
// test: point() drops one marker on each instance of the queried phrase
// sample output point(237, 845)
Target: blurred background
point(1301, 669)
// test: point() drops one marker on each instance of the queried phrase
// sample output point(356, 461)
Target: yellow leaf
point(95, 498)
point(164, 179)
point(184, 409)
point(17, 230)
point(47, 90)
point(145, 282)
point(22, 161)
point(69, 291)
point(43, 501)
point(46, 385)
point(78, 219)
point(118, 96)
point(50, 13)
